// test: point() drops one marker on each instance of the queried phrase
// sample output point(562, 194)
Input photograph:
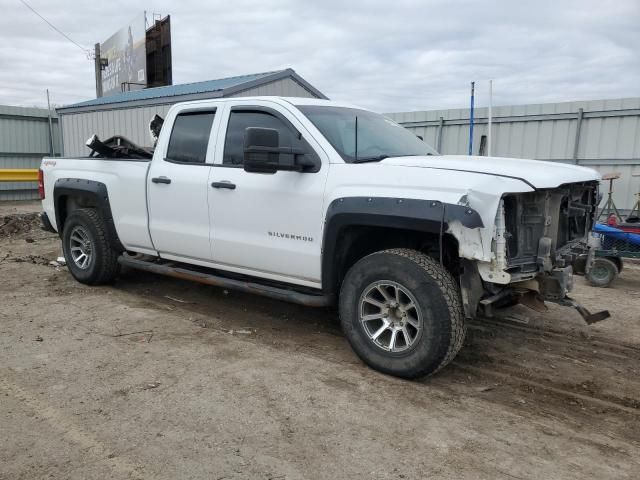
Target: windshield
point(375, 138)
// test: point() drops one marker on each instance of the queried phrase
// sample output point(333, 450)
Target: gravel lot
point(162, 379)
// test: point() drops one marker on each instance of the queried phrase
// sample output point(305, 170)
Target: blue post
point(471, 120)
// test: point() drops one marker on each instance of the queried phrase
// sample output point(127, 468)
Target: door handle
point(224, 184)
point(161, 180)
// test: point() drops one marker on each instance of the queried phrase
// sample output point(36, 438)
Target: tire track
point(69, 430)
point(511, 378)
point(509, 373)
point(591, 363)
point(563, 336)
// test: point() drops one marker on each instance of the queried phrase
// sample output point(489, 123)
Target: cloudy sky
point(394, 55)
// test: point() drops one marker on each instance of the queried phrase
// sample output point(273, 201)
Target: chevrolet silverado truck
point(327, 204)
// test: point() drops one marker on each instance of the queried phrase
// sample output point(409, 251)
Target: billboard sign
point(159, 53)
point(126, 53)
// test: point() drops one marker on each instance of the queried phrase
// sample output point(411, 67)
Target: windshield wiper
point(370, 159)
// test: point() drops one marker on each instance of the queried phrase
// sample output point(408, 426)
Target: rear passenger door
point(177, 186)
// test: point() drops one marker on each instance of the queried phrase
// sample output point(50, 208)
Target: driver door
point(266, 224)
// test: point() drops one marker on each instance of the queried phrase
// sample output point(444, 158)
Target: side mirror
point(420, 137)
point(263, 153)
point(261, 150)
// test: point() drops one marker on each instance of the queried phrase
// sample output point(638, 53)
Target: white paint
point(536, 172)
point(229, 229)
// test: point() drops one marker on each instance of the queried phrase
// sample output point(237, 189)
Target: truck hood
point(536, 173)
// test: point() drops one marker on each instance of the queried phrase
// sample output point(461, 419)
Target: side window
point(190, 137)
point(238, 122)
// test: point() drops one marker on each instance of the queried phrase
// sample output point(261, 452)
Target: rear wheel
point(87, 250)
point(401, 312)
point(603, 272)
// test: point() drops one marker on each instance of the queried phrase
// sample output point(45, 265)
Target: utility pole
point(52, 150)
point(473, 85)
point(98, 69)
point(490, 118)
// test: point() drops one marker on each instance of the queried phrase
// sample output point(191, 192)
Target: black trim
point(228, 165)
point(471, 286)
point(46, 224)
point(268, 110)
point(429, 216)
point(194, 164)
point(97, 192)
point(227, 185)
point(115, 159)
point(164, 180)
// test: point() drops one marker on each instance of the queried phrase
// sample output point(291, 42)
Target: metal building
point(600, 134)
point(24, 139)
point(129, 113)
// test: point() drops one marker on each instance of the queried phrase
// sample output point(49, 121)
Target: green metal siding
point(24, 140)
point(609, 139)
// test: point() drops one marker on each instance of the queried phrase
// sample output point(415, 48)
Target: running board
point(278, 293)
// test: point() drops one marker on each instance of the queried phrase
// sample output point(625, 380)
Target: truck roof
point(316, 101)
point(298, 101)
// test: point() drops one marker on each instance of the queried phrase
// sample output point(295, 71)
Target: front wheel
point(401, 312)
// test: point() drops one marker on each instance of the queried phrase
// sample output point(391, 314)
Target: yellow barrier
point(19, 175)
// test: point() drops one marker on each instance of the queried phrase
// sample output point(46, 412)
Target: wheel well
point(72, 194)
point(358, 241)
point(617, 261)
point(66, 204)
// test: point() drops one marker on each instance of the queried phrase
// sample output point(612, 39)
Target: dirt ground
point(158, 378)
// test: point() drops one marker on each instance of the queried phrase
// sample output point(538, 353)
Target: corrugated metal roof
point(519, 110)
point(10, 110)
point(176, 90)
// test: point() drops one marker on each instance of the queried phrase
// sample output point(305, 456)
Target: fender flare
point(89, 189)
point(429, 216)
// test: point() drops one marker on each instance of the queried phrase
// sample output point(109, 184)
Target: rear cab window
point(190, 137)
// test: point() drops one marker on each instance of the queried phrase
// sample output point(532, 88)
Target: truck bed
point(125, 182)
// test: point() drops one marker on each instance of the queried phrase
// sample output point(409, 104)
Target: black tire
point(602, 273)
point(618, 262)
point(435, 292)
point(102, 266)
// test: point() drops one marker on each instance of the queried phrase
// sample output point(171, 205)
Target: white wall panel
point(133, 122)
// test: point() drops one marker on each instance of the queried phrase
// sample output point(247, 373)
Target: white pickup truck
point(323, 203)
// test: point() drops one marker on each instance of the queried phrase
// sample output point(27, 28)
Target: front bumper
point(556, 287)
point(551, 286)
point(538, 238)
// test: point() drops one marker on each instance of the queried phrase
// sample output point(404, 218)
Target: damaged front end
point(538, 237)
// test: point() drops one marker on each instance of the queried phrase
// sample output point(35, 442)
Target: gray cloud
point(389, 56)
